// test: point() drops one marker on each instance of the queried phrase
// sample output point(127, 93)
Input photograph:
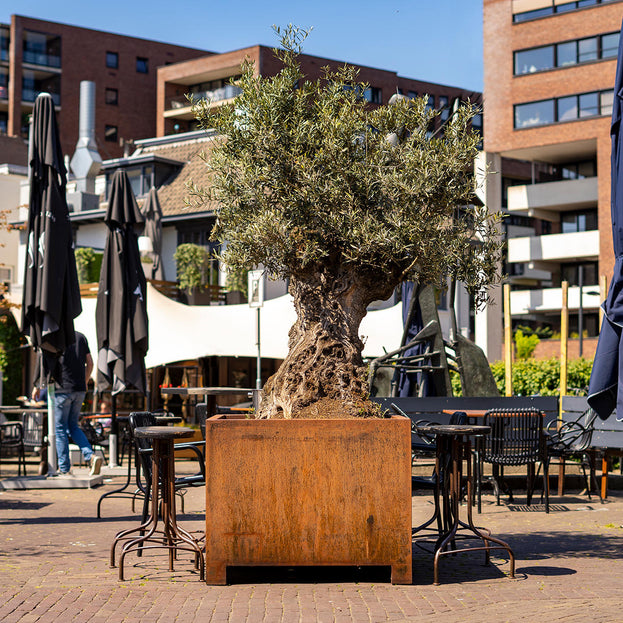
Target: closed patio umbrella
point(51, 296)
point(605, 392)
point(153, 230)
point(121, 310)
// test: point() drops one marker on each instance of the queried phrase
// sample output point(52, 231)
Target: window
point(571, 273)
point(535, 113)
point(142, 65)
point(567, 108)
point(566, 53)
point(4, 122)
point(110, 133)
point(572, 222)
point(431, 101)
point(610, 45)
point(589, 104)
point(555, 6)
point(411, 94)
point(444, 107)
point(112, 60)
point(112, 97)
point(587, 50)
point(374, 95)
point(537, 59)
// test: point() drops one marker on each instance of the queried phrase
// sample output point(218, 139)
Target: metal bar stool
point(172, 536)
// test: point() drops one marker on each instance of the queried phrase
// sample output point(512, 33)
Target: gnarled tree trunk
point(324, 358)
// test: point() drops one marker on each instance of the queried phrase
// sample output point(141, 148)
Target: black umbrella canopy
point(606, 385)
point(121, 312)
point(51, 298)
point(153, 231)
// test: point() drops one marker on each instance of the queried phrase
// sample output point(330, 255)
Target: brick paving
point(54, 566)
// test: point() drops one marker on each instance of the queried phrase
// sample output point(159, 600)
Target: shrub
point(525, 344)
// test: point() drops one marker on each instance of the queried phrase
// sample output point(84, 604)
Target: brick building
point(548, 89)
point(37, 55)
point(210, 77)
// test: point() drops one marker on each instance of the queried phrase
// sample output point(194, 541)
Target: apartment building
point(38, 55)
point(548, 92)
point(211, 77)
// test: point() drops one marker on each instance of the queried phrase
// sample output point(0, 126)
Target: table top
point(452, 429)
point(163, 432)
point(205, 391)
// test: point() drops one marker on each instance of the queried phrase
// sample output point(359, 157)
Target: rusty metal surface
point(308, 492)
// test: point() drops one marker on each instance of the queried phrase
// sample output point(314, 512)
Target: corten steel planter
point(308, 492)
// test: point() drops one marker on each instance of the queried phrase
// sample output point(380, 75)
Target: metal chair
point(12, 438)
point(517, 438)
point(571, 440)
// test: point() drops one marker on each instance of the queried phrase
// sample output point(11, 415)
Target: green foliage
point(543, 332)
point(308, 177)
point(191, 261)
point(10, 358)
point(237, 281)
point(89, 264)
point(542, 376)
point(525, 344)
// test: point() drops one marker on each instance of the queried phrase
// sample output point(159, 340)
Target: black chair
point(12, 442)
point(517, 438)
point(572, 440)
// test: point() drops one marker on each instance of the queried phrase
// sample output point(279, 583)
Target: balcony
point(549, 300)
point(554, 247)
point(30, 95)
point(42, 59)
point(546, 200)
point(180, 108)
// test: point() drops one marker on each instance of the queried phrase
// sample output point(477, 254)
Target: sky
point(430, 40)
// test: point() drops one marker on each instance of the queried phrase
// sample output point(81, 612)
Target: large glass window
point(4, 43)
point(572, 222)
point(566, 53)
point(589, 104)
point(610, 45)
point(567, 108)
point(33, 84)
point(41, 49)
point(556, 6)
point(534, 113)
point(587, 50)
point(529, 61)
point(110, 133)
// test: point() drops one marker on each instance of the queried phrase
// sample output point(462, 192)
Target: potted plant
point(346, 202)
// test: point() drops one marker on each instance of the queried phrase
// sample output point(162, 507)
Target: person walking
point(76, 366)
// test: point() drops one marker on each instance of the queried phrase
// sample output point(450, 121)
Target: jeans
point(66, 413)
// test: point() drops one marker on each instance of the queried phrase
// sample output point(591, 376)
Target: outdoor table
point(161, 420)
point(172, 536)
point(453, 446)
point(210, 393)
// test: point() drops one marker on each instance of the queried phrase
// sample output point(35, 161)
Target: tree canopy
point(310, 174)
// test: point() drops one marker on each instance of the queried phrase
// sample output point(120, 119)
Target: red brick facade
point(83, 57)
point(503, 90)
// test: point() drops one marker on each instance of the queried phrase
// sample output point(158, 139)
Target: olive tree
point(346, 202)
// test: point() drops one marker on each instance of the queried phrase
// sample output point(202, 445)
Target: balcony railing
point(554, 247)
point(30, 95)
point(40, 58)
point(217, 95)
point(550, 300)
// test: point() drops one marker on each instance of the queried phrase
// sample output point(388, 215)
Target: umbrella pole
point(52, 459)
point(114, 434)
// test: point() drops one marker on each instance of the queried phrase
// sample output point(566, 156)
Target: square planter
point(308, 492)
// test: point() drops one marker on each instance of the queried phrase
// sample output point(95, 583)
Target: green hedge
point(541, 377)
point(11, 361)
